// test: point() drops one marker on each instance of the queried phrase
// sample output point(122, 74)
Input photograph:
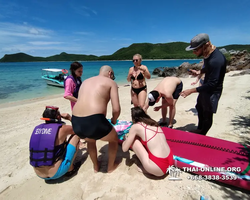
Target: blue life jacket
point(43, 151)
point(78, 83)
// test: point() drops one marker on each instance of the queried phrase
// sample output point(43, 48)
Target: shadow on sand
point(103, 157)
point(81, 157)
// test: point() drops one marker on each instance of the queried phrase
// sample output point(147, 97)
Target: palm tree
point(174, 173)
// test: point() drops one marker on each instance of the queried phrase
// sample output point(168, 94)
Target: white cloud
point(89, 10)
point(33, 31)
point(44, 43)
point(83, 10)
point(20, 38)
point(26, 35)
point(40, 50)
point(24, 30)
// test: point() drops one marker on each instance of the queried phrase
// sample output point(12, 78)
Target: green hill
point(237, 47)
point(173, 50)
point(70, 57)
point(20, 57)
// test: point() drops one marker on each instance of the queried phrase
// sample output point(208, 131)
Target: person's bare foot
point(83, 141)
point(139, 169)
point(170, 126)
point(82, 145)
point(114, 167)
point(97, 167)
point(142, 170)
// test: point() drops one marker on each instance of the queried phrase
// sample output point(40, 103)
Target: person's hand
point(145, 110)
point(157, 108)
point(145, 107)
point(142, 69)
point(194, 83)
point(66, 116)
point(193, 72)
point(113, 121)
point(185, 93)
point(125, 137)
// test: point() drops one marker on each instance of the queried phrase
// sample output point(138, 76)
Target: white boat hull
point(54, 77)
point(54, 84)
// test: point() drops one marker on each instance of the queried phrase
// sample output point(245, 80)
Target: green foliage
point(237, 47)
point(228, 57)
point(20, 57)
point(173, 50)
point(70, 57)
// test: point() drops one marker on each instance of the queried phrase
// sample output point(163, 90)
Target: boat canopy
point(53, 70)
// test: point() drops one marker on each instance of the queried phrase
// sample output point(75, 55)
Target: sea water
point(22, 80)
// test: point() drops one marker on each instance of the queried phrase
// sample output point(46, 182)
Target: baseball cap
point(197, 41)
point(152, 97)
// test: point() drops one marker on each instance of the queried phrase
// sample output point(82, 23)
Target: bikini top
point(139, 77)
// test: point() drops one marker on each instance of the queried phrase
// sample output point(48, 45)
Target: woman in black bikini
point(136, 76)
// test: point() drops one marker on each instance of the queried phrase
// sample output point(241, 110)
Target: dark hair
point(73, 67)
point(139, 115)
point(50, 113)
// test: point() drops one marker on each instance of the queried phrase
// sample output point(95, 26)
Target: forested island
point(173, 50)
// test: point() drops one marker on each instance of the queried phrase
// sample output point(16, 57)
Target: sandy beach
point(18, 180)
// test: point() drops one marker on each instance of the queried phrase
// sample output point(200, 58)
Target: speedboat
point(54, 77)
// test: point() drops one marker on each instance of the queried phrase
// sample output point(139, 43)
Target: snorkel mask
point(50, 114)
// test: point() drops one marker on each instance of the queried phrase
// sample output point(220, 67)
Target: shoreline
point(39, 89)
point(108, 60)
point(41, 98)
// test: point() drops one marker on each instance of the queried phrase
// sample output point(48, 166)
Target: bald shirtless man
point(169, 89)
point(89, 114)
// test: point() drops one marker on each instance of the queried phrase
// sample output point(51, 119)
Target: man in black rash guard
point(210, 92)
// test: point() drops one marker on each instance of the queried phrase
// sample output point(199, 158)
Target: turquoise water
point(22, 80)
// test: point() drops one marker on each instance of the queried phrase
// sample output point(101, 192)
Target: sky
point(97, 27)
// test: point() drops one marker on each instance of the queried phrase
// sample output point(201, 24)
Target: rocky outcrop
point(238, 61)
point(181, 71)
point(247, 71)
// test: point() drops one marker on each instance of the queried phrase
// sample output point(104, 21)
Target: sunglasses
point(195, 50)
point(113, 76)
point(135, 60)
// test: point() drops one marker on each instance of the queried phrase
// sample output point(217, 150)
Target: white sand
point(18, 180)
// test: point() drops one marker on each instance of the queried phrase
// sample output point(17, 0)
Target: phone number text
point(211, 177)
